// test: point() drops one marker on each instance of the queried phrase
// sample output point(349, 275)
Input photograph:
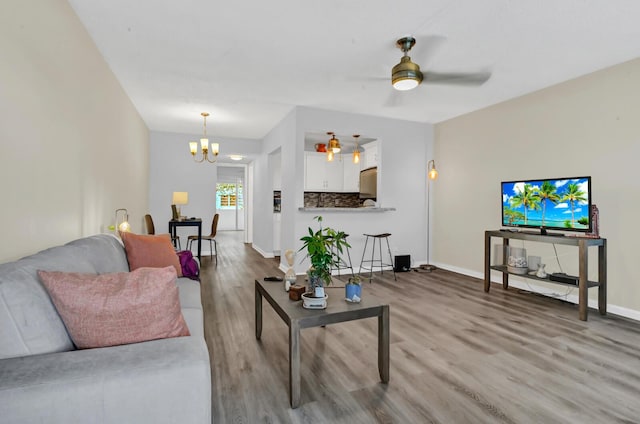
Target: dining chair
point(211, 237)
point(151, 229)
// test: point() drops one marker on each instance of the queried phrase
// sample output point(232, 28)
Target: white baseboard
point(530, 285)
point(266, 255)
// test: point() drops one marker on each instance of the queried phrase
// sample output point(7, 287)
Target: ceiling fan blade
point(456, 78)
point(373, 79)
point(394, 99)
point(426, 48)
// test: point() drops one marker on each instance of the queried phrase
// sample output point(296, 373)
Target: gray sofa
point(44, 379)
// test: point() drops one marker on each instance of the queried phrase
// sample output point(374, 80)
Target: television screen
point(552, 203)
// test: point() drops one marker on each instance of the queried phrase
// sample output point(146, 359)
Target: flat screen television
point(369, 183)
point(562, 204)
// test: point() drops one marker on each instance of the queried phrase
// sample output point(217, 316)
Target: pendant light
point(333, 146)
point(356, 151)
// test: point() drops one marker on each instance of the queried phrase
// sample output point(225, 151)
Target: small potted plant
point(323, 247)
point(353, 289)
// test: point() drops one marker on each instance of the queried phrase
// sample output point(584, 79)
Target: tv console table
point(583, 244)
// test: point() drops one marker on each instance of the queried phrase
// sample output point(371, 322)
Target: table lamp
point(122, 225)
point(180, 198)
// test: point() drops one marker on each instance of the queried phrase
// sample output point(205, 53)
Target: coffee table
point(338, 310)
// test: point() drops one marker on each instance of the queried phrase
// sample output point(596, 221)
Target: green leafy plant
point(356, 279)
point(323, 247)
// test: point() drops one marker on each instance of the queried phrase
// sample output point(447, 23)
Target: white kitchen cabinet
point(371, 154)
point(351, 173)
point(321, 175)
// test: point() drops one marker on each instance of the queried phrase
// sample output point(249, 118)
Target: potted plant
point(353, 289)
point(323, 247)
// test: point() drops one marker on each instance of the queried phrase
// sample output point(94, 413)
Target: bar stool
point(341, 263)
point(373, 260)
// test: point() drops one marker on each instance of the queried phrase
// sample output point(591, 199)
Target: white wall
point(172, 168)
point(405, 148)
point(587, 126)
point(72, 146)
point(281, 136)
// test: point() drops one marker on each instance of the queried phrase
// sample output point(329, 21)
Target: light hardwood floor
point(458, 355)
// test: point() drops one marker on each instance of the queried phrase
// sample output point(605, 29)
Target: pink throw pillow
point(119, 308)
point(154, 251)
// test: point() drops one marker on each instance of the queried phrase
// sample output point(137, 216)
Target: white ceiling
point(248, 63)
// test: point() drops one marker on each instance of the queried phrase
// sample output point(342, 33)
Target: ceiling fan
point(407, 75)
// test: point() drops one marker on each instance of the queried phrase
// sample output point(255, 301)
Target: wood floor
point(458, 355)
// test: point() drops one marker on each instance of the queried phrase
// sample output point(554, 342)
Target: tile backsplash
point(331, 200)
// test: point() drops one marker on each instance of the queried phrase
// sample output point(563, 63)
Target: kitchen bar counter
point(347, 210)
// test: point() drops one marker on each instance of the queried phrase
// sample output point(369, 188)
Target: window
point(229, 196)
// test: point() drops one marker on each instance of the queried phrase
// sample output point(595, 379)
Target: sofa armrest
point(161, 381)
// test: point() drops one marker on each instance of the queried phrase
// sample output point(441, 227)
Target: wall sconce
point(433, 173)
point(122, 225)
point(180, 198)
point(204, 145)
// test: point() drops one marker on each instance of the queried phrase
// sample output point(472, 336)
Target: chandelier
point(204, 145)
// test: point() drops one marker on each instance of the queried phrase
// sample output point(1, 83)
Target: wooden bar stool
point(376, 262)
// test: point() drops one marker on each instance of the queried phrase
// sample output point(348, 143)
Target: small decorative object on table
point(517, 262)
point(324, 247)
point(541, 272)
point(353, 289)
point(290, 275)
point(532, 263)
point(595, 223)
point(295, 292)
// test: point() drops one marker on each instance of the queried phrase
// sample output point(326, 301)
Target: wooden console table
point(583, 245)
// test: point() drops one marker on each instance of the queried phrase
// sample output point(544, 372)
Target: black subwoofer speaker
point(402, 263)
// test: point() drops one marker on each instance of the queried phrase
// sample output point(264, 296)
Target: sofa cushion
point(161, 381)
point(105, 252)
point(29, 323)
point(119, 308)
point(191, 305)
point(154, 251)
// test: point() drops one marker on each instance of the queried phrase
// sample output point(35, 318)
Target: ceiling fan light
point(406, 75)
point(405, 84)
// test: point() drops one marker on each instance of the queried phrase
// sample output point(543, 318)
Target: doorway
point(230, 197)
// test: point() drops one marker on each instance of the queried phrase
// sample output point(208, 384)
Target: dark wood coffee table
point(338, 310)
